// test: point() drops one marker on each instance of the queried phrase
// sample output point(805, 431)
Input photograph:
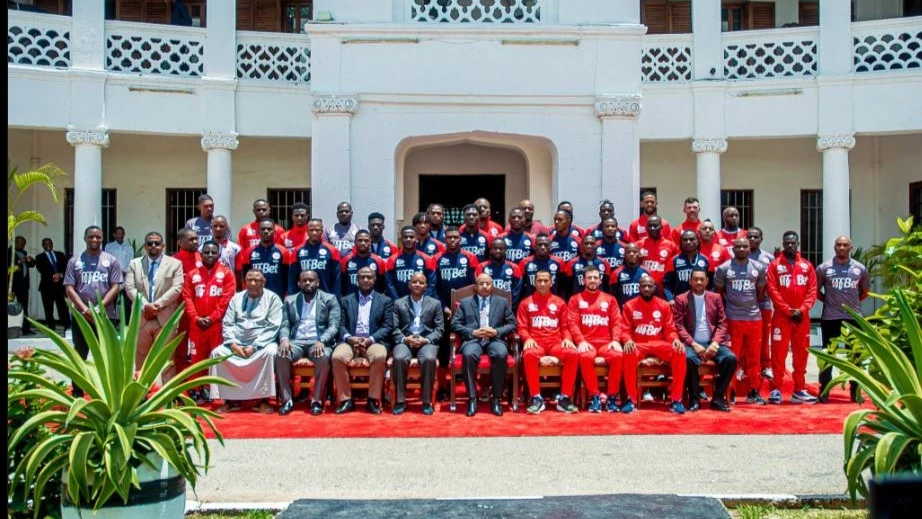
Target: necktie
point(484, 318)
point(54, 263)
point(150, 279)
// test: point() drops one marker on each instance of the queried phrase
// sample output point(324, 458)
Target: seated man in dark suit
point(702, 326)
point(51, 265)
point(368, 322)
point(310, 324)
point(418, 329)
point(483, 322)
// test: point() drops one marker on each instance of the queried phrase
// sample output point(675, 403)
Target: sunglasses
point(154, 243)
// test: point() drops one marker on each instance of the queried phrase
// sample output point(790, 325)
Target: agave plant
point(887, 439)
point(101, 442)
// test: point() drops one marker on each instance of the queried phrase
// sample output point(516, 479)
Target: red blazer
point(684, 313)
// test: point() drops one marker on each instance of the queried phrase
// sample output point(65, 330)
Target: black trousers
point(22, 296)
point(832, 328)
point(470, 354)
point(83, 349)
point(726, 366)
point(54, 298)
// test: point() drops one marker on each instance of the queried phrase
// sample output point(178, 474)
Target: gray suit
point(465, 321)
point(433, 325)
point(328, 319)
point(168, 283)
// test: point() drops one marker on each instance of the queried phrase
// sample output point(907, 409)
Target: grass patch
point(770, 512)
point(249, 514)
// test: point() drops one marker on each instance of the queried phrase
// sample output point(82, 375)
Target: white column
point(88, 145)
point(87, 51)
point(621, 152)
point(708, 47)
point(331, 153)
point(219, 146)
point(221, 51)
point(836, 183)
point(707, 152)
point(835, 38)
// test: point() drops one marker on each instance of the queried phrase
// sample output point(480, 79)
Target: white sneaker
point(803, 397)
point(647, 397)
point(767, 374)
point(740, 374)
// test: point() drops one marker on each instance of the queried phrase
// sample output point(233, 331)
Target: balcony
point(475, 11)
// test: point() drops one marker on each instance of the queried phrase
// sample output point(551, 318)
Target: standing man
point(436, 214)
point(473, 239)
point(542, 324)
point(483, 322)
point(574, 230)
point(367, 326)
point(201, 225)
point(342, 233)
point(842, 283)
point(487, 225)
point(295, 238)
point(401, 267)
point(51, 265)
point(418, 329)
point(656, 251)
point(21, 283)
point(89, 277)
point(716, 253)
point(188, 252)
point(227, 250)
point(532, 226)
point(316, 255)
point(594, 319)
point(310, 324)
point(702, 326)
point(649, 331)
point(742, 281)
point(606, 212)
point(610, 245)
point(379, 245)
point(518, 242)
point(565, 238)
point(638, 228)
point(691, 208)
point(754, 235)
point(505, 274)
point(542, 260)
point(268, 257)
point(792, 287)
point(124, 253)
point(425, 243)
point(155, 282)
point(360, 257)
point(731, 231)
point(249, 233)
point(680, 267)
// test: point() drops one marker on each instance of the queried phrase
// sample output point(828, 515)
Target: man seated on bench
point(702, 326)
point(650, 331)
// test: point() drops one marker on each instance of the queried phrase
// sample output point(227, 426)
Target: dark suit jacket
point(47, 271)
point(431, 319)
point(380, 317)
point(20, 277)
point(329, 316)
point(684, 313)
point(467, 318)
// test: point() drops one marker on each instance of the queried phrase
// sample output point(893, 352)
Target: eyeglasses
point(154, 243)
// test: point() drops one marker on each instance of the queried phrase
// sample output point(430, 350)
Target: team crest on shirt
point(663, 253)
point(553, 267)
point(462, 260)
point(856, 271)
point(289, 243)
point(508, 272)
point(105, 263)
point(802, 265)
point(776, 334)
point(641, 228)
point(755, 273)
point(196, 278)
point(251, 231)
point(373, 266)
point(276, 255)
point(583, 304)
point(604, 306)
point(715, 254)
point(198, 264)
point(552, 307)
point(219, 276)
point(701, 263)
point(419, 262)
point(638, 315)
point(481, 239)
point(532, 307)
point(322, 252)
point(657, 314)
point(386, 250)
point(526, 243)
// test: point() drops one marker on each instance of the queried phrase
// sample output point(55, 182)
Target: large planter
point(15, 317)
point(162, 495)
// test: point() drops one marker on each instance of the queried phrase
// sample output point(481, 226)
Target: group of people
point(342, 296)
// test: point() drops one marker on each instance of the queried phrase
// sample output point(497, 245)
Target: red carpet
point(651, 418)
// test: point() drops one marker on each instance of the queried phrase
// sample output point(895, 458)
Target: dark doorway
point(456, 191)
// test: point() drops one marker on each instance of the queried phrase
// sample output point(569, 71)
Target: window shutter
point(51, 6)
point(157, 12)
point(267, 15)
point(244, 15)
point(809, 13)
point(129, 11)
point(681, 17)
point(761, 15)
point(654, 16)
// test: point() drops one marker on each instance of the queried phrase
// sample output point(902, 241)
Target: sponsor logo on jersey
point(782, 268)
point(94, 277)
point(313, 264)
point(830, 272)
point(594, 320)
point(540, 321)
point(266, 268)
point(648, 330)
point(742, 285)
point(844, 283)
point(215, 291)
point(449, 274)
point(503, 284)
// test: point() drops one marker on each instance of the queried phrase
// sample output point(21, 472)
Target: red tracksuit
point(726, 239)
point(791, 286)
point(207, 294)
point(654, 254)
point(594, 317)
point(638, 228)
point(544, 319)
point(652, 328)
point(190, 261)
point(249, 235)
point(294, 238)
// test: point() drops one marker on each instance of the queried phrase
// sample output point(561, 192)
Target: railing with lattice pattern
point(274, 57)
point(771, 53)
point(666, 58)
point(887, 44)
point(475, 11)
point(38, 39)
point(145, 48)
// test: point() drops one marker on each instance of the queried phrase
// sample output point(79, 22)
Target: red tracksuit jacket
point(208, 293)
point(594, 318)
point(190, 260)
point(654, 255)
point(544, 319)
point(647, 321)
point(791, 286)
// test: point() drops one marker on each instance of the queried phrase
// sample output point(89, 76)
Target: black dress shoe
point(694, 405)
point(400, 408)
point(345, 407)
point(373, 406)
point(720, 405)
point(428, 409)
point(286, 408)
point(496, 408)
point(316, 408)
point(472, 407)
point(441, 395)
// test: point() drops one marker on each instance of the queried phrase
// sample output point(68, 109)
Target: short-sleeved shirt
point(842, 284)
point(741, 282)
point(202, 228)
point(93, 276)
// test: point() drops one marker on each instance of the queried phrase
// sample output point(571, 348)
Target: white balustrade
point(38, 39)
point(771, 53)
point(475, 11)
point(888, 44)
point(666, 58)
point(146, 48)
point(274, 56)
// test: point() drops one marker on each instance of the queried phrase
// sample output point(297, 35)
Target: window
point(915, 203)
point(62, 7)
point(809, 13)
point(281, 200)
point(295, 13)
point(180, 207)
point(744, 16)
point(153, 11)
point(741, 199)
point(109, 217)
point(645, 190)
point(811, 225)
point(666, 16)
point(273, 15)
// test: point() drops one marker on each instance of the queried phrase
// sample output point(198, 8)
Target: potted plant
point(129, 448)
point(17, 183)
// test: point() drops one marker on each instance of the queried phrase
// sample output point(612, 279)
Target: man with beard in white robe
point(251, 329)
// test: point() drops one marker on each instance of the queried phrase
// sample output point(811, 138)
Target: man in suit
point(21, 284)
point(367, 325)
point(418, 329)
point(483, 322)
point(154, 281)
point(51, 265)
point(310, 324)
point(702, 326)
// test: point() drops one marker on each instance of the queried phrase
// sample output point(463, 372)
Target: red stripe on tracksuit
point(207, 294)
point(594, 317)
point(544, 319)
point(791, 286)
point(651, 326)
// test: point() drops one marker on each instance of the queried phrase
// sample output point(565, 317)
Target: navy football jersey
point(430, 247)
point(401, 267)
point(530, 267)
point(506, 276)
point(322, 258)
point(625, 283)
point(612, 253)
point(518, 246)
point(349, 272)
point(453, 270)
point(384, 249)
point(620, 235)
point(565, 248)
point(678, 274)
point(476, 244)
point(272, 262)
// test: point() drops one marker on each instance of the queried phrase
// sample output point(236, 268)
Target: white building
point(816, 128)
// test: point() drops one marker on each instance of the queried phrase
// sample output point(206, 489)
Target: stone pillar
point(706, 36)
point(219, 146)
point(835, 45)
point(836, 183)
point(331, 150)
point(621, 153)
point(221, 50)
point(88, 145)
point(88, 50)
point(708, 153)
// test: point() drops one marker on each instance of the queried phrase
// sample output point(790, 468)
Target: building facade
point(807, 119)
